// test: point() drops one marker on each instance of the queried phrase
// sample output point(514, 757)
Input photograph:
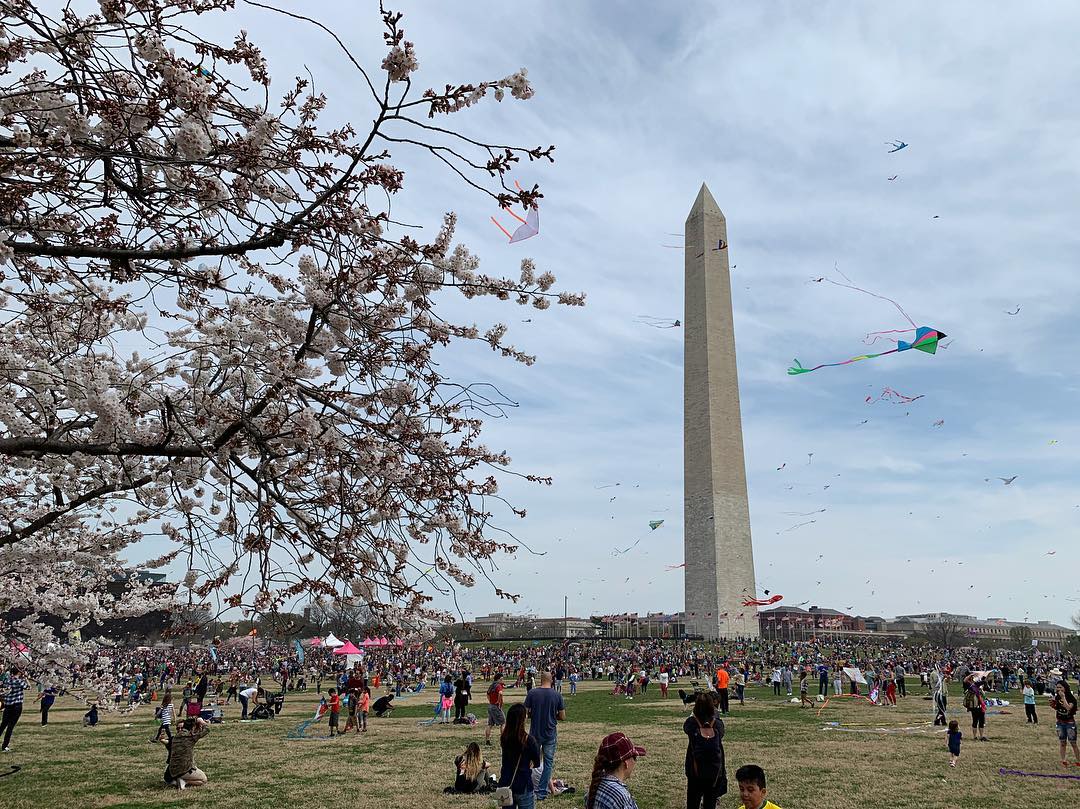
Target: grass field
point(398, 764)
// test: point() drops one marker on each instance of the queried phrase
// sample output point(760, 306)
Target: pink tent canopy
point(316, 641)
point(369, 642)
point(347, 649)
point(399, 642)
point(384, 642)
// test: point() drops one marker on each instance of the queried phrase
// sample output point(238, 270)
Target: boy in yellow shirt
point(752, 790)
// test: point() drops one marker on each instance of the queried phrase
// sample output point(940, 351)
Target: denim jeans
point(547, 748)
point(244, 705)
point(525, 800)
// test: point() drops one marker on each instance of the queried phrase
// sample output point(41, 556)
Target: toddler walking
point(954, 742)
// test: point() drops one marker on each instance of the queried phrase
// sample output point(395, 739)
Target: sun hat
point(616, 748)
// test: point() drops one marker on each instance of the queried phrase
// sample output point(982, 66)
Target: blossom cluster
point(212, 339)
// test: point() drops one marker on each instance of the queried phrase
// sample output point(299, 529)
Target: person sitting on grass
point(471, 771)
point(752, 790)
point(90, 718)
point(181, 771)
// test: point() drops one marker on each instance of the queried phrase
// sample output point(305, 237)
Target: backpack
point(971, 702)
point(703, 759)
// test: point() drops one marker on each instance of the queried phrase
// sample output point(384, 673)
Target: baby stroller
point(262, 711)
point(277, 702)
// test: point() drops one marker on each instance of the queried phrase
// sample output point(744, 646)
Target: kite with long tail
point(761, 602)
point(926, 339)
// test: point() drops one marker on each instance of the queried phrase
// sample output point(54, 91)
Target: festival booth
point(352, 654)
point(330, 642)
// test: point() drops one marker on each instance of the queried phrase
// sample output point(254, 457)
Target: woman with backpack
point(976, 703)
point(706, 775)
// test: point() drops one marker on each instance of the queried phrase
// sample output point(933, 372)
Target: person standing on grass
point(941, 697)
point(47, 698)
point(954, 737)
point(462, 694)
point(13, 705)
point(246, 696)
point(496, 717)
point(664, 679)
point(976, 703)
point(723, 679)
point(165, 716)
point(706, 774)
point(804, 688)
point(334, 705)
point(776, 682)
point(546, 709)
point(1064, 704)
point(520, 753)
point(1029, 704)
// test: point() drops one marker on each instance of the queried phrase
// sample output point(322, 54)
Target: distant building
point(1049, 635)
point(506, 626)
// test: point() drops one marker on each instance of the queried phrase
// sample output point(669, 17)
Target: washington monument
point(718, 551)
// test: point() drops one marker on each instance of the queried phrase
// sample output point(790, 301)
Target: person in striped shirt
point(165, 716)
point(613, 766)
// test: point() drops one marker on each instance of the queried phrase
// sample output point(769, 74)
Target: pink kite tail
point(500, 227)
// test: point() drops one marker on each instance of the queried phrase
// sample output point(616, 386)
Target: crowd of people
point(193, 688)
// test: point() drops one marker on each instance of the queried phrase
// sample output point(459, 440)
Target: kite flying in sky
point(926, 338)
point(761, 602)
point(654, 524)
point(896, 144)
point(659, 322)
point(529, 227)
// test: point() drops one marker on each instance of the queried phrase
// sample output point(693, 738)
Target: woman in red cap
point(614, 764)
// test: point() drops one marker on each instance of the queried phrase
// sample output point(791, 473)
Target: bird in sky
point(1014, 313)
point(1007, 481)
point(893, 177)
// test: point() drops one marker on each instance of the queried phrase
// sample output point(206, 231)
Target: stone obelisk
point(718, 551)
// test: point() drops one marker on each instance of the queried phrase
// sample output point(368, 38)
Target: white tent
point(331, 642)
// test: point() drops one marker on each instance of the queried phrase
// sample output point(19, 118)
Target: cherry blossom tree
point(210, 336)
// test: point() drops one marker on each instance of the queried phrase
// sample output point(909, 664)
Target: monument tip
point(705, 203)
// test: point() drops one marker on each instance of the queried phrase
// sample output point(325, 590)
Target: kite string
point(877, 335)
point(899, 308)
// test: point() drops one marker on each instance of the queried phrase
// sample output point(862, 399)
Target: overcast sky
point(784, 110)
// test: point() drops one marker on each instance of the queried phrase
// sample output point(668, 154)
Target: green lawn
point(399, 764)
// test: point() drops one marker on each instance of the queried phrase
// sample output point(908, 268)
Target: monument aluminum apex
point(719, 554)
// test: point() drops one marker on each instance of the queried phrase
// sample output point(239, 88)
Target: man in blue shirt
point(546, 709)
